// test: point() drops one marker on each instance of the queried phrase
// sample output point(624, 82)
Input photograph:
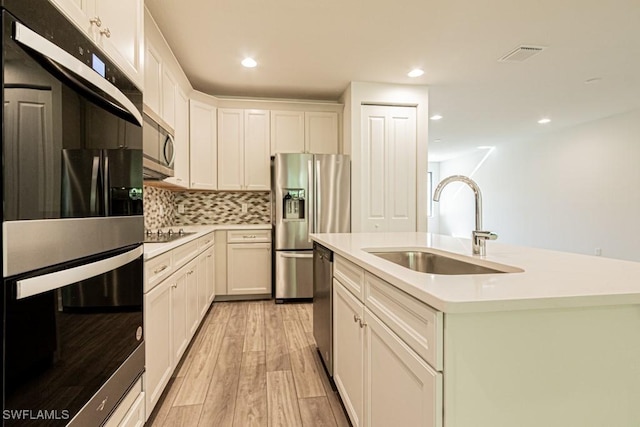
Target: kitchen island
point(555, 342)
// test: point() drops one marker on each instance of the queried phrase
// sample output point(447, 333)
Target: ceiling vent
point(521, 53)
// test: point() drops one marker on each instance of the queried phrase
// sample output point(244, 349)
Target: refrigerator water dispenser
point(293, 204)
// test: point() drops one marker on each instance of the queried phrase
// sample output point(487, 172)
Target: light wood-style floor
point(251, 364)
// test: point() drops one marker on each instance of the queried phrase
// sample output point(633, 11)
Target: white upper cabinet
point(389, 136)
point(321, 132)
point(304, 132)
point(257, 159)
point(230, 149)
point(203, 146)
point(114, 25)
point(169, 88)
point(181, 141)
point(287, 132)
point(152, 78)
point(243, 149)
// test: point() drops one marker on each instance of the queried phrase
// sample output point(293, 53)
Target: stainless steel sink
point(435, 263)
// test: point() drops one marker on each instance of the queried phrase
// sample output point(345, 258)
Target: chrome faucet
point(478, 236)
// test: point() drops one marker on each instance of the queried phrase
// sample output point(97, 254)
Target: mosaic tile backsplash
point(159, 207)
point(204, 208)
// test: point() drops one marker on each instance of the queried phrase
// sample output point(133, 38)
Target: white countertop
point(154, 249)
point(550, 279)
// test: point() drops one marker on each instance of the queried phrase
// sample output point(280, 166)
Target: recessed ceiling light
point(249, 62)
point(436, 117)
point(544, 121)
point(416, 72)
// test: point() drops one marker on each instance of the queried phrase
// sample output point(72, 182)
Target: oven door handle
point(48, 282)
point(77, 73)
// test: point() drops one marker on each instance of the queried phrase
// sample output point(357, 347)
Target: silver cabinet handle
point(175, 285)
point(106, 32)
point(209, 256)
point(356, 318)
point(190, 272)
point(252, 236)
point(96, 21)
point(158, 270)
point(362, 324)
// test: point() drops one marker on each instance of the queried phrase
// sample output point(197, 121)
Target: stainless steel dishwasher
point(322, 304)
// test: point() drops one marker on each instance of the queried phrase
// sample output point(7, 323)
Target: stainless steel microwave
point(158, 147)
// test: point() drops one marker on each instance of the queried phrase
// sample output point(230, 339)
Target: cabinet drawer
point(183, 254)
point(248, 236)
point(416, 323)
point(157, 269)
point(350, 275)
point(206, 241)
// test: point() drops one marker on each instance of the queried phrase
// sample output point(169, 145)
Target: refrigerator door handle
point(285, 255)
point(318, 202)
point(312, 208)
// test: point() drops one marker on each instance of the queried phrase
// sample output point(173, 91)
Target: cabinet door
point(158, 353)
point(287, 132)
point(168, 97)
point(152, 78)
point(389, 169)
point(321, 132)
point(181, 141)
point(348, 361)
point(121, 34)
point(230, 149)
point(257, 159)
point(248, 268)
point(211, 274)
point(80, 12)
point(179, 332)
point(392, 369)
point(203, 150)
point(193, 313)
point(203, 286)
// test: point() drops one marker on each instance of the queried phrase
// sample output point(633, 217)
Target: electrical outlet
point(244, 207)
point(597, 251)
point(181, 208)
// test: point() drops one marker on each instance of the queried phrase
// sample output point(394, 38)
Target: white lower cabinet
point(248, 262)
point(382, 381)
point(193, 314)
point(348, 355)
point(205, 271)
point(173, 310)
point(158, 353)
point(179, 331)
point(399, 387)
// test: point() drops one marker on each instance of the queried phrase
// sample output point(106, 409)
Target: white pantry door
point(389, 153)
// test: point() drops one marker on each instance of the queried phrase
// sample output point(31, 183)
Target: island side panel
point(552, 368)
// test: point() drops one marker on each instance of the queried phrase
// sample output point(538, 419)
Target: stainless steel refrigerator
point(311, 193)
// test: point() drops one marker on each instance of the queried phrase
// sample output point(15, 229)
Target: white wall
point(574, 190)
point(360, 93)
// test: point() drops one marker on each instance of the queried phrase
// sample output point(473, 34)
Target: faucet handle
point(484, 235)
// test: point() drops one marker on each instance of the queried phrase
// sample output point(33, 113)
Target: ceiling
point(312, 50)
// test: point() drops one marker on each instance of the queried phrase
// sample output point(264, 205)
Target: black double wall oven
point(72, 224)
